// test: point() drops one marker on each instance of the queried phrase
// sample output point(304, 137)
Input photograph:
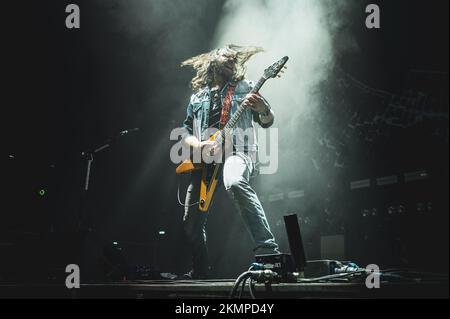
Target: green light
point(42, 192)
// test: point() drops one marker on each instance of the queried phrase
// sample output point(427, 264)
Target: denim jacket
point(197, 118)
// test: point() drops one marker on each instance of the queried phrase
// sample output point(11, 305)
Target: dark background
point(69, 91)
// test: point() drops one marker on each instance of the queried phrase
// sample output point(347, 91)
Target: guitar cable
point(179, 200)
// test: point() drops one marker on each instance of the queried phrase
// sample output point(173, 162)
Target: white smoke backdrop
point(304, 30)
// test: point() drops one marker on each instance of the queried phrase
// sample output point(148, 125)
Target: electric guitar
point(209, 181)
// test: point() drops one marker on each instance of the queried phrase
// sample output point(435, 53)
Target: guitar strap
point(207, 189)
point(226, 107)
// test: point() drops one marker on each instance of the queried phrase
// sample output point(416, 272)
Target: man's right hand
point(211, 147)
point(208, 144)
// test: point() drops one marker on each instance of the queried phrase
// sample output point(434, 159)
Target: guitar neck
point(240, 110)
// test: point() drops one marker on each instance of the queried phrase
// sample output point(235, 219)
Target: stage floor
point(219, 289)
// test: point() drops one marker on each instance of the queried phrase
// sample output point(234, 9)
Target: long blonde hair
point(205, 64)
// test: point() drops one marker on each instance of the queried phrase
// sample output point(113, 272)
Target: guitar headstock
point(274, 70)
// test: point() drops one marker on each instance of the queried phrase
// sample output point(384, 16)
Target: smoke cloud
point(304, 30)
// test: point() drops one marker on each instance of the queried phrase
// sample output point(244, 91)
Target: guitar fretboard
point(226, 131)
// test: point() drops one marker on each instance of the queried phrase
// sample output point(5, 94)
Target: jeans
point(237, 171)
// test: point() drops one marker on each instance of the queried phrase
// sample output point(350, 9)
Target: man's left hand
point(255, 102)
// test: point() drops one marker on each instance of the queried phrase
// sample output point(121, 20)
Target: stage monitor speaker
point(295, 241)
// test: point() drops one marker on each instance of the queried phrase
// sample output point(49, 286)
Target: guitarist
point(220, 87)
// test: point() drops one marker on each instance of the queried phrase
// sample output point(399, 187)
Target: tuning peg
point(284, 67)
point(279, 76)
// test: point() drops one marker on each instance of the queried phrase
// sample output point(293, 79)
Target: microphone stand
point(85, 256)
point(89, 157)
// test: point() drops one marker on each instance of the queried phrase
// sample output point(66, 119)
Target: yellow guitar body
point(206, 190)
